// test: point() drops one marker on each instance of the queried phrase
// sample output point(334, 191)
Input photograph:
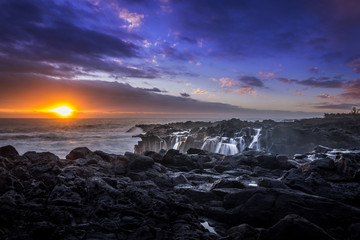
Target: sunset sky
point(128, 58)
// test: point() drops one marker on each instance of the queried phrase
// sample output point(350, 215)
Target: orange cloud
point(327, 96)
point(198, 91)
point(226, 82)
point(266, 75)
point(245, 91)
point(134, 19)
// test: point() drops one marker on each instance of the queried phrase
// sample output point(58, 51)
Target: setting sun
point(63, 111)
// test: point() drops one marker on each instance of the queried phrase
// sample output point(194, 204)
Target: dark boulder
point(271, 183)
point(174, 159)
point(154, 155)
point(41, 157)
point(8, 152)
point(138, 163)
point(82, 152)
point(196, 151)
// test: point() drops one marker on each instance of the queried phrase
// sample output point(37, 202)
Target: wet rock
point(349, 166)
point(227, 183)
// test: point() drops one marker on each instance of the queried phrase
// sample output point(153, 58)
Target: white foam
point(208, 227)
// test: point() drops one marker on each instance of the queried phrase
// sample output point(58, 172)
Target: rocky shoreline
point(174, 195)
point(229, 137)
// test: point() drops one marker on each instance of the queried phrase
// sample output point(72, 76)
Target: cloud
point(154, 89)
point(351, 90)
point(185, 94)
point(355, 64)
point(134, 19)
point(341, 106)
point(198, 91)
point(244, 91)
point(249, 81)
point(329, 97)
point(267, 75)
point(314, 70)
point(286, 80)
point(297, 92)
point(320, 82)
point(50, 40)
point(226, 82)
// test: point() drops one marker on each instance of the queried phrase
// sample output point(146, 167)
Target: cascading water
point(231, 146)
point(180, 139)
point(255, 144)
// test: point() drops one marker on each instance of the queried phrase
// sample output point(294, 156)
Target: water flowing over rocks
point(230, 137)
point(171, 194)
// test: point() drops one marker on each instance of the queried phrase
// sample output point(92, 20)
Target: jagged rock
point(294, 227)
point(63, 195)
point(243, 232)
point(99, 195)
point(5, 163)
point(349, 166)
point(227, 183)
point(12, 198)
point(319, 164)
point(264, 207)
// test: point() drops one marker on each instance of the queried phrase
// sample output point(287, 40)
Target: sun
point(63, 111)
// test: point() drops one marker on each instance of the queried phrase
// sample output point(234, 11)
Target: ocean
point(60, 136)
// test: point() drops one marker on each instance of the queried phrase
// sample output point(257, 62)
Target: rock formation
point(173, 195)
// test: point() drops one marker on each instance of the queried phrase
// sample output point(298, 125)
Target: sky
point(180, 58)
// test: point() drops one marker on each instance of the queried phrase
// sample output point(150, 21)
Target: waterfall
point(224, 145)
point(255, 142)
point(231, 146)
point(180, 139)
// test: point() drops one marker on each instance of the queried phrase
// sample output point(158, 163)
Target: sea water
point(60, 136)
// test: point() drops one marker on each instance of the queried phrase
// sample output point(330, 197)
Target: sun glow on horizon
point(63, 111)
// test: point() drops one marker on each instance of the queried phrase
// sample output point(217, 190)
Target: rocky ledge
point(232, 136)
point(173, 195)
